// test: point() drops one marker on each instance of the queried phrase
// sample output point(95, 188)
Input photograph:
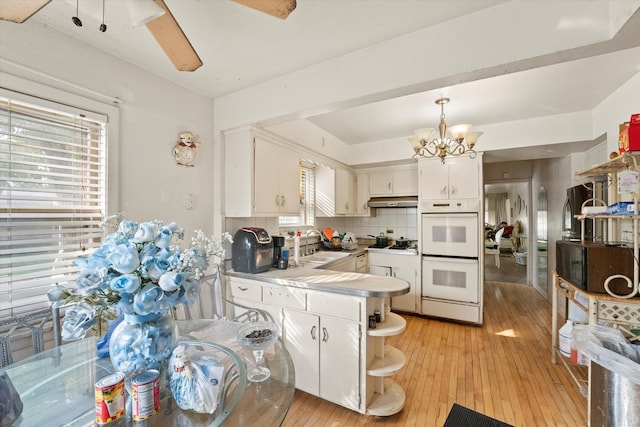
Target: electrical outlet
point(188, 201)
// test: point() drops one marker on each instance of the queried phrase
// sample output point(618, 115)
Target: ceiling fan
point(165, 29)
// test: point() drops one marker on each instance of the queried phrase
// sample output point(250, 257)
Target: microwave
point(587, 265)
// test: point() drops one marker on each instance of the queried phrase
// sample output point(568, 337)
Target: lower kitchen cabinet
point(401, 266)
point(336, 355)
point(326, 354)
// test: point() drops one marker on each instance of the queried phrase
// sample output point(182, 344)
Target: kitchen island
point(324, 315)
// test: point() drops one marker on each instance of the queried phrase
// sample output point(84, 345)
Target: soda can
point(145, 394)
point(110, 398)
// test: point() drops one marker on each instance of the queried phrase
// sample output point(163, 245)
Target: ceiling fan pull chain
point(103, 26)
point(75, 19)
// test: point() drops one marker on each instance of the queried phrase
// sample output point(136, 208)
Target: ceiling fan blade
point(173, 41)
point(278, 8)
point(19, 11)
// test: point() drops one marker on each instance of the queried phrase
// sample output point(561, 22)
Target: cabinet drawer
point(244, 290)
point(361, 263)
point(334, 305)
point(283, 296)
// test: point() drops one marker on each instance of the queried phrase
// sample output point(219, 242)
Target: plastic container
point(296, 249)
point(565, 333)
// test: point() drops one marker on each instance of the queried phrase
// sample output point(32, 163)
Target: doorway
point(508, 202)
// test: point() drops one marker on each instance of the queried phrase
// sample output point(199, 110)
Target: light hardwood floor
point(501, 369)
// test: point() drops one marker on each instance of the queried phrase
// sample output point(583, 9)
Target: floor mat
point(459, 416)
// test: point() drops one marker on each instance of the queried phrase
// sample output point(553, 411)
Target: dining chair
point(14, 332)
point(213, 304)
point(495, 251)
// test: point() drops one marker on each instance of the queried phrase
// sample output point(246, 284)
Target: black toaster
point(251, 250)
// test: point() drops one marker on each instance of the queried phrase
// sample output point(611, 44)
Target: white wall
point(153, 113)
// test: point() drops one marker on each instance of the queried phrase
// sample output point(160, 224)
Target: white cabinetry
point(262, 176)
point(345, 192)
point(317, 347)
point(336, 356)
point(400, 266)
point(362, 194)
point(352, 264)
point(394, 183)
point(456, 179)
point(335, 191)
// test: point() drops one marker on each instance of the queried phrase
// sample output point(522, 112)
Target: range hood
point(393, 202)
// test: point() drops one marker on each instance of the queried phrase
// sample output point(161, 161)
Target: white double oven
point(451, 254)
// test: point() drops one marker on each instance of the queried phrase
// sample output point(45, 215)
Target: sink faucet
point(306, 241)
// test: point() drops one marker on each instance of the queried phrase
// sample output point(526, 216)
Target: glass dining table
point(57, 385)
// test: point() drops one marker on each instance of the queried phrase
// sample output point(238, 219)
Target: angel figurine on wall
point(185, 149)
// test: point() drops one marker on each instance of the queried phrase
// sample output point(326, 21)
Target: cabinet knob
point(389, 186)
point(325, 335)
point(283, 201)
point(453, 190)
point(277, 200)
point(444, 190)
point(313, 332)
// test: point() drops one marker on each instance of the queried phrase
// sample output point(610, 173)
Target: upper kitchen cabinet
point(394, 183)
point(362, 195)
point(335, 191)
point(345, 192)
point(458, 178)
point(262, 177)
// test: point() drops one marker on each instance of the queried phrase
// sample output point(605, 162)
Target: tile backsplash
point(393, 222)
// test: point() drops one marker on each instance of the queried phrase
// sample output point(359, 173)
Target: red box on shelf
point(633, 135)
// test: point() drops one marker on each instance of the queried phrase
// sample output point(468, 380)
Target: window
point(52, 196)
point(307, 201)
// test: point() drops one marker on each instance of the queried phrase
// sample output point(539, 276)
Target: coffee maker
point(278, 243)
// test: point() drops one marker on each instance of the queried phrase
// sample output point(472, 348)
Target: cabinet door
point(339, 362)
point(379, 270)
point(266, 177)
point(289, 181)
point(362, 194)
point(380, 184)
point(301, 335)
point(325, 191)
point(406, 302)
point(464, 181)
point(405, 183)
point(458, 178)
point(276, 179)
point(434, 179)
point(345, 192)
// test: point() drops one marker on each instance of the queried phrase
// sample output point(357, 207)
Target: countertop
point(319, 276)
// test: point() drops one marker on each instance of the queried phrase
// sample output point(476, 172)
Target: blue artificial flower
point(148, 300)
point(163, 239)
point(57, 295)
point(148, 252)
point(145, 233)
point(127, 283)
point(171, 281)
point(154, 268)
point(78, 319)
point(124, 258)
point(90, 280)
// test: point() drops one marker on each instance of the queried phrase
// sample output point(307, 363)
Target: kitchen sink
point(323, 257)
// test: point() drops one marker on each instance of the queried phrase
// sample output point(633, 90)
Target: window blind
point(307, 201)
point(52, 198)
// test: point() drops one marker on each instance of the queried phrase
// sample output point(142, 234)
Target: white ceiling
point(241, 47)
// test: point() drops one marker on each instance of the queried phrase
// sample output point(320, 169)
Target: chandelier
point(461, 141)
